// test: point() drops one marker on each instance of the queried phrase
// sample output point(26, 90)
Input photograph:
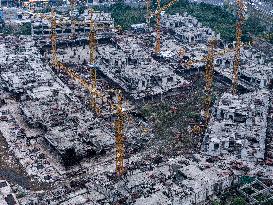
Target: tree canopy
point(220, 19)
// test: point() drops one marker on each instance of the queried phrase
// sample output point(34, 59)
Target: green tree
point(25, 29)
point(218, 18)
point(238, 201)
point(216, 202)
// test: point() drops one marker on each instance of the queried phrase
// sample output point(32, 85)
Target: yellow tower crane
point(236, 64)
point(53, 38)
point(209, 69)
point(92, 38)
point(157, 13)
point(209, 79)
point(119, 122)
point(158, 22)
point(119, 131)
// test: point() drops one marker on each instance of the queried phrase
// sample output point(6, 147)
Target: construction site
point(165, 112)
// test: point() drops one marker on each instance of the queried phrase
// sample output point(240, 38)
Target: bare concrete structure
point(187, 28)
point(238, 127)
point(48, 104)
point(168, 183)
point(135, 71)
point(50, 129)
point(41, 26)
point(256, 69)
point(6, 195)
point(258, 191)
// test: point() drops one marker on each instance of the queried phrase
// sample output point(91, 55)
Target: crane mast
point(236, 64)
point(92, 39)
point(209, 69)
point(53, 38)
point(92, 48)
point(119, 129)
point(209, 79)
point(94, 90)
point(158, 15)
point(158, 21)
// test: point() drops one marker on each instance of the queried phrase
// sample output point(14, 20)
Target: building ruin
point(238, 127)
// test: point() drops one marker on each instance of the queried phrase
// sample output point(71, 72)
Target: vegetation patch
point(221, 19)
point(24, 29)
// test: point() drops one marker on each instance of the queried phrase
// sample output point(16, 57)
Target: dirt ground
point(174, 117)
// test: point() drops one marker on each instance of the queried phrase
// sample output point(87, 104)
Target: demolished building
point(187, 29)
point(135, 70)
point(176, 181)
point(238, 127)
point(256, 70)
point(49, 104)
